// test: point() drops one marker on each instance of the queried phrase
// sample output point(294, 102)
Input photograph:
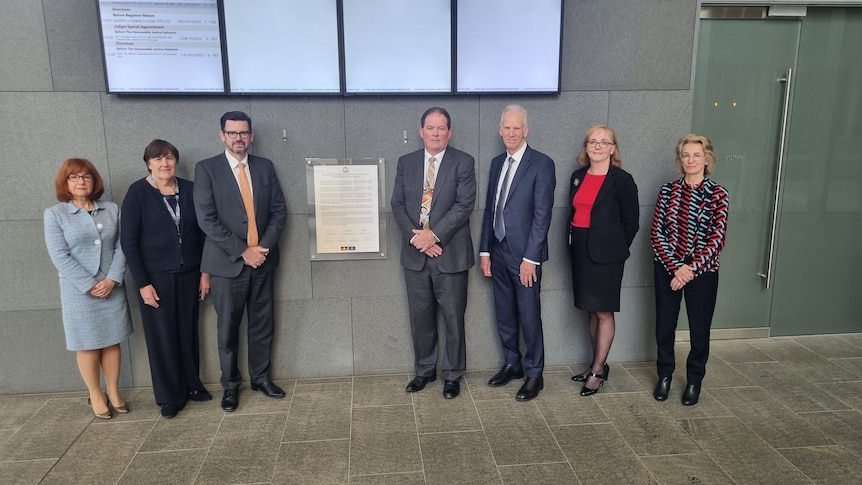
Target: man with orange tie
point(434, 194)
point(240, 207)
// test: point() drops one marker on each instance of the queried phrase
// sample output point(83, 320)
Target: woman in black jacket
point(163, 245)
point(602, 224)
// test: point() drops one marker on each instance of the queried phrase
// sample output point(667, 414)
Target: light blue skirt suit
point(85, 248)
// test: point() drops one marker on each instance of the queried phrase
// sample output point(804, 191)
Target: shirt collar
point(233, 161)
point(518, 154)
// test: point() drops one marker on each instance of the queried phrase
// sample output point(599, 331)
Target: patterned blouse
point(690, 225)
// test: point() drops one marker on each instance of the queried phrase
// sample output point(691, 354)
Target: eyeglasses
point(233, 134)
point(696, 156)
point(73, 177)
point(603, 143)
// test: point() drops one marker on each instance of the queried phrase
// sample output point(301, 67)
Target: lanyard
point(175, 215)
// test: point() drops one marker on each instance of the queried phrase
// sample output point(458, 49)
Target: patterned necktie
point(427, 195)
point(248, 202)
point(499, 225)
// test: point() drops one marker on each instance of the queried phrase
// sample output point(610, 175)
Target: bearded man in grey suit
point(240, 207)
point(434, 194)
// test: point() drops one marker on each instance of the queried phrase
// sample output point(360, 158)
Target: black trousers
point(251, 292)
point(700, 295)
point(171, 332)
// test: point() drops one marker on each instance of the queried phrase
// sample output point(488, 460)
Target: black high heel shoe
point(586, 391)
point(582, 377)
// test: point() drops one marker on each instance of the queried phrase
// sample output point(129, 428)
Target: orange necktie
point(248, 202)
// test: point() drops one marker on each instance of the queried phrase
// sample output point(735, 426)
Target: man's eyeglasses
point(233, 134)
point(602, 143)
point(73, 177)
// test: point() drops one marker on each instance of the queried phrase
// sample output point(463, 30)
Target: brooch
point(576, 182)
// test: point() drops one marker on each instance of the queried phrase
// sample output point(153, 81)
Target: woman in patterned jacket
point(688, 233)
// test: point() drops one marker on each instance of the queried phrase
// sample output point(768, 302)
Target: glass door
point(794, 247)
point(739, 96)
point(819, 251)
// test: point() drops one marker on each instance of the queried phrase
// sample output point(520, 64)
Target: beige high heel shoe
point(107, 415)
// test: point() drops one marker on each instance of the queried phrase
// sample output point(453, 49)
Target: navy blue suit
point(527, 216)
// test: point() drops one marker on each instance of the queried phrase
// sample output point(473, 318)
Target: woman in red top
point(602, 224)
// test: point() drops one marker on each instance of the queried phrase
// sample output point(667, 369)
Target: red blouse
point(584, 199)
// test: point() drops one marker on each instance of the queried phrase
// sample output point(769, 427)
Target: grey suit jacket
point(222, 217)
point(453, 202)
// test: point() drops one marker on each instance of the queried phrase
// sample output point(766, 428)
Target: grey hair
point(518, 108)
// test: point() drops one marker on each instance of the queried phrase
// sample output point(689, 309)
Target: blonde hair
point(708, 152)
point(584, 159)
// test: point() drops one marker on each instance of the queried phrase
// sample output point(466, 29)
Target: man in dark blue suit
point(433, 197)
point(513, 246)
point(240, 207)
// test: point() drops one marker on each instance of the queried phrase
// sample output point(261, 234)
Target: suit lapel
point(257, 184)
point(443, 169)
point(606, 188)
point(524, 167)
point(230, 183)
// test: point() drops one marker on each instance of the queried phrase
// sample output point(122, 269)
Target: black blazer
point(614, 219)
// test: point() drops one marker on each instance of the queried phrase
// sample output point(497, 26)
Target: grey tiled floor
point(781, 410)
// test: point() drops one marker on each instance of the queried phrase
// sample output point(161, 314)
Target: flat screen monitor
point(509, 46)
point(397, 46)
point(161, 47)
point(282, 46)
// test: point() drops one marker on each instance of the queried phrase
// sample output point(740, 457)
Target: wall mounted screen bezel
point(509, 47)
point(296, 42)
point(415, 55)
point(163, 48)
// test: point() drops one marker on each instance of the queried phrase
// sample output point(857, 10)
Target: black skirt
point(596, 286)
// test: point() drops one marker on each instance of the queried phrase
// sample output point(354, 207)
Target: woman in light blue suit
point(83, 239)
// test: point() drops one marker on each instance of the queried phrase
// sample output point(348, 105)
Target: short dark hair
point(77, 165)
point(235, 116)
point(437, 110)
point(159, 148)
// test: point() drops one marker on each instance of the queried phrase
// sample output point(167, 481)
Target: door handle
point(782, 144)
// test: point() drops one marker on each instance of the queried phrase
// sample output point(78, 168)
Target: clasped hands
point(255, 256)
point(103, 288)
point(682, 276)
point(426, 243)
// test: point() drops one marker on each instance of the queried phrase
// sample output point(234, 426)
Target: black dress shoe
point(268, 389)
point(506, 374)
point(530, 389)
point(169, 411)
point(451, 389)
point(662, 388)
point(418, 383)
point(691, 395)
point(199, 395)
point(230, 400)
